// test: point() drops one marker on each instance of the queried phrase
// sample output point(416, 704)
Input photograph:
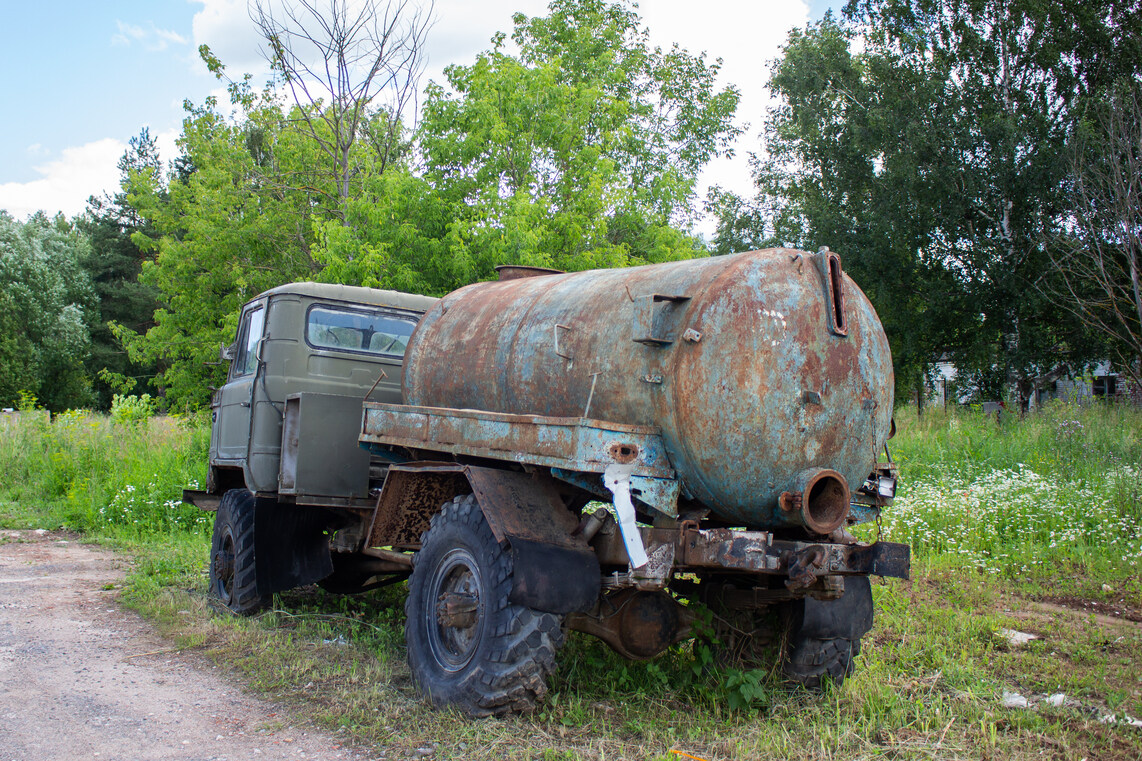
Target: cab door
point(232, 402)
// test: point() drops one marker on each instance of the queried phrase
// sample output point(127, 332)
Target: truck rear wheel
point(232, 574)
point(823, 636)
point(810, 662)
point(813, 641)
point(468, 645)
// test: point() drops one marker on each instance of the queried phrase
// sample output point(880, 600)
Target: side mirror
point(227, 353)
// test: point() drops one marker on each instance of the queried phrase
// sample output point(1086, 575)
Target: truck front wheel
point(468, 645)
point(232, 573)
point(809, 661)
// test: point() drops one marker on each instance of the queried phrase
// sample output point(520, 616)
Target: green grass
point(1017, 524)
point(1056, 495)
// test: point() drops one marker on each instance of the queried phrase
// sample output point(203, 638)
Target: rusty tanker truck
point(595, 451)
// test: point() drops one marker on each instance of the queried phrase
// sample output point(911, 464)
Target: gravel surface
point(82, 678)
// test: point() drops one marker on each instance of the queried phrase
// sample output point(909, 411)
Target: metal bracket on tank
point(654, 318)
point(834, 276)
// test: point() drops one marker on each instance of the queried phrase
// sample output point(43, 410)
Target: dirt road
point(81, 678)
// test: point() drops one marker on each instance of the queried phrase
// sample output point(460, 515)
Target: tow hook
point(804, 568)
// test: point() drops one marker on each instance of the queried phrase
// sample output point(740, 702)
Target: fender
point(554, 571)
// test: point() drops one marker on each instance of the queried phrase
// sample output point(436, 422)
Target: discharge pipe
point(821, 501)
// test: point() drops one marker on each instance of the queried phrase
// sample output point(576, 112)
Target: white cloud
point(167, 144)
point(169, 36)
point(66, 182)
point(153, 39)
point(226, 27)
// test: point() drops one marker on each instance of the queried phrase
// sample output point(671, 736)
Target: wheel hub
point(455, 623)
point(224, 569)
point(457, 610)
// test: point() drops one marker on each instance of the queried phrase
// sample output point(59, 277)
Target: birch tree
point(1100, 266)
point(352, 68)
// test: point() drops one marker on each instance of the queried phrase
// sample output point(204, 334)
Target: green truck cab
point(284, 453)
point(338, 341)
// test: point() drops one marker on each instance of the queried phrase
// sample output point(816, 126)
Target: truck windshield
point(369, 331)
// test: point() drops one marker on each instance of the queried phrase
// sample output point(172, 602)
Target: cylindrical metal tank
point(767, 372)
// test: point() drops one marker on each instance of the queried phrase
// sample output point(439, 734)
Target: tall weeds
point(102, 475)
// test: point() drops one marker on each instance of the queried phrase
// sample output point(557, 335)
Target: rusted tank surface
point(767, 372)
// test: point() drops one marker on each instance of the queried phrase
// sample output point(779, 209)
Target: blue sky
point(84, 77)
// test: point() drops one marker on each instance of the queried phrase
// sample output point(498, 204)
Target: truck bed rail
point(572, 444)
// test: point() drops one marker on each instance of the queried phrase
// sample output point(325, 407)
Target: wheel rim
point(223, 568)
point(454, 617)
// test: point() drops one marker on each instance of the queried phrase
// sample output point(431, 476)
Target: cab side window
point(250, 332)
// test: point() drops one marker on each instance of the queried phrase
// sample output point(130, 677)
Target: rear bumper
point(719, 550)
point(759, 552)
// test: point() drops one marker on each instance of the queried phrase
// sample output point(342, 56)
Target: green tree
point(581, 151)
point(236, 216)
point(398, 236)
point(254, 200)
point(47, 304)
point(827, 180)
point(935, 160)
point(114, 263)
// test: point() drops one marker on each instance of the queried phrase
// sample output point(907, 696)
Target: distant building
point(1100, 382)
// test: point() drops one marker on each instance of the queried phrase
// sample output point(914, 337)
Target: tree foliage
point(935, 160)
point(114, 263)
point(236, 217)
point(47, 304)
point(581, 151)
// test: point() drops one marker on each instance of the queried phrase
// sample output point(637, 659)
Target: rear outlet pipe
point(820, 501)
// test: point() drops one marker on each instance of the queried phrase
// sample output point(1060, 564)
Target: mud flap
point(553, 579)
point(291, 548)
point(849, 617)
point(554, 570)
